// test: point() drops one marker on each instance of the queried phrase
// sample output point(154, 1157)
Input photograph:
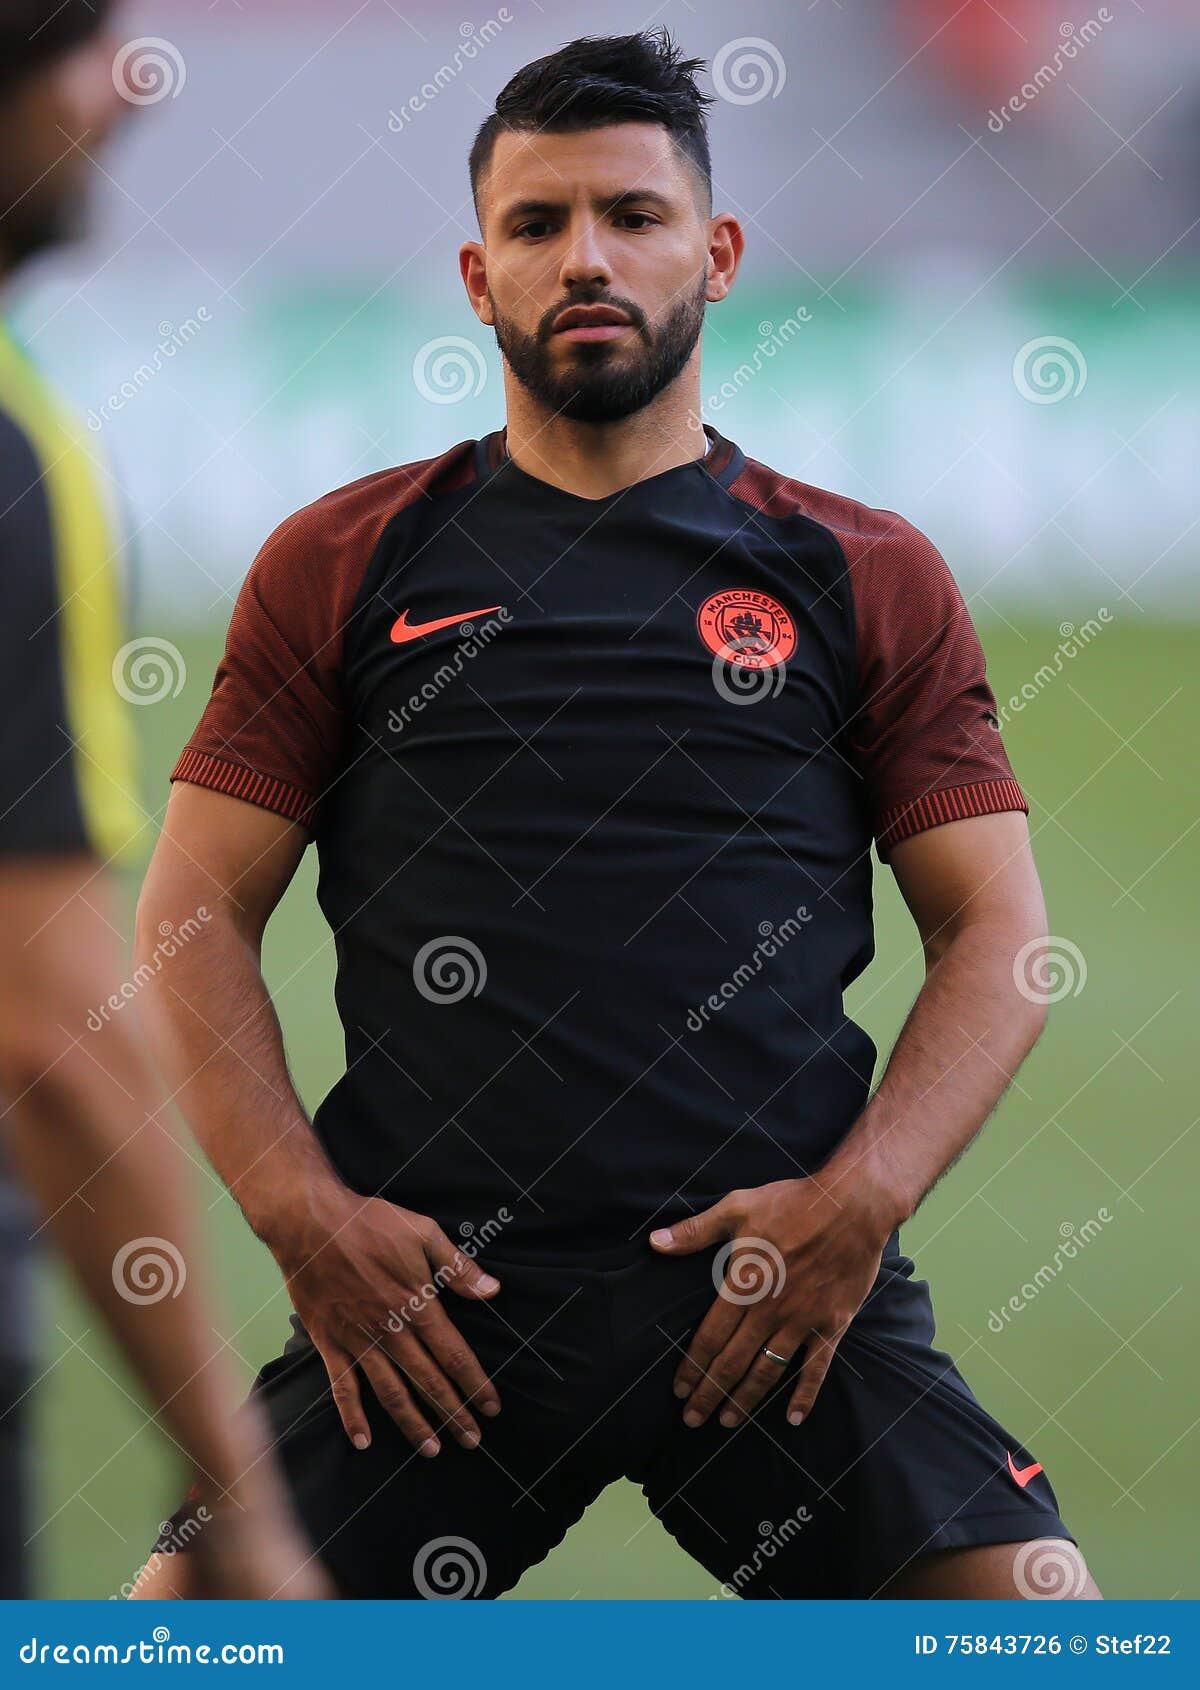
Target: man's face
point(49, 122)
point(596, 256)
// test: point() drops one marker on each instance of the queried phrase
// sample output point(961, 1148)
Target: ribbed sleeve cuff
point(955, 804)
point(200, 769)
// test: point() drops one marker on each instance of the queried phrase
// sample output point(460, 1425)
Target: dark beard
point(599, 387)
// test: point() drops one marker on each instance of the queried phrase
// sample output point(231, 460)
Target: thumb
point(696, 1232)
point(457, 1271)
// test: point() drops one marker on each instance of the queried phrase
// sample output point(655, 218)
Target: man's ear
point(726, 243)
point(472, 264)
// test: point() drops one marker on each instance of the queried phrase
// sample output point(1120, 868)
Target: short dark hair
point(34, 32)
point(598, 80)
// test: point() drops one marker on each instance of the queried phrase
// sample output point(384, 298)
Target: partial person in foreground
point(82, 1118)
point(593, 723)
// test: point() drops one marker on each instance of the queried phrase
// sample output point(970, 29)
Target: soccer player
point(77, 1096)
point(593, 722)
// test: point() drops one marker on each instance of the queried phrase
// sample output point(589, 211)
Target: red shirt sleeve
point(925, 736)
point(272, 732)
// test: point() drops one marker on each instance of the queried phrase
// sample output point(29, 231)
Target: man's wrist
point(285, 1212)
point(865, 1170)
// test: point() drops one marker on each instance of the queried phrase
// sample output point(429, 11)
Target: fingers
point(456, 1359)
point(763, 1375)
point(708, 1340)
point(724, 1374)
point(710, 1226)
point(396, 1400)
point(343, 1382)
point(458, 1272)
point(820, 1353)
point(422, 1371)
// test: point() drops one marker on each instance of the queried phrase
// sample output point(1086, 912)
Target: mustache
point(589, 296)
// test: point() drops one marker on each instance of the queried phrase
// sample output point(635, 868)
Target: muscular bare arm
point(357, 1267)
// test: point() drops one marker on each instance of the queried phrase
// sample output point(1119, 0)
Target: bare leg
point(164, 1578)
point(1008, 1572)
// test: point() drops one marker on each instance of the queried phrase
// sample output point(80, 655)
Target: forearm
point(966, 1036)
point(217, 1037)
point(108, 1179)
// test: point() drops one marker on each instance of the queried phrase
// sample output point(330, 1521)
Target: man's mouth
point(591, 322)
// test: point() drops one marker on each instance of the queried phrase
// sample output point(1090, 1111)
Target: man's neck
point(594, 460)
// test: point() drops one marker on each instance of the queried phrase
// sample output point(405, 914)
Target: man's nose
point(584, 264)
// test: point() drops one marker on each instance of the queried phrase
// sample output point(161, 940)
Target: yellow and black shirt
point(67, 759)
point(67, 765)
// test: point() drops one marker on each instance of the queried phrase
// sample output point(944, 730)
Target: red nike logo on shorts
point(403, 629)
point(1022, 1475)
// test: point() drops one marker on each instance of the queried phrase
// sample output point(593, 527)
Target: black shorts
point(897, 1457)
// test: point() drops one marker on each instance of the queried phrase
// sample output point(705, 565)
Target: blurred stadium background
point(971, 296)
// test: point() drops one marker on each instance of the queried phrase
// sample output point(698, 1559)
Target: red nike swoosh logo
point(403, 629)
point(1022, 1475)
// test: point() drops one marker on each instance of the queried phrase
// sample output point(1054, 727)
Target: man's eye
point(637, 219)
point(535, 230)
